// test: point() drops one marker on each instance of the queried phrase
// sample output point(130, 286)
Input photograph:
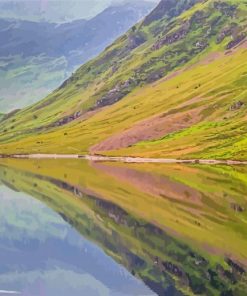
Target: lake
point(72, 227)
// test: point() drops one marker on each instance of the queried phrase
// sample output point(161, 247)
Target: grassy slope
point(96, 219)
point(217, 84)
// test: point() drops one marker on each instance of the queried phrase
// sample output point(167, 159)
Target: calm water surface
point(69, 227)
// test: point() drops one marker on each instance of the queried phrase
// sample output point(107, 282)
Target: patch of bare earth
point(150, 129)
point(211, 58)
point(159, 125)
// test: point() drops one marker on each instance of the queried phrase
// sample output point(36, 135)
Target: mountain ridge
point(56, 11)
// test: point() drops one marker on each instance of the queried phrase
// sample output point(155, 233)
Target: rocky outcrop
point(136, 40)
point(198, 17)
point(236, 106)
point(172, 37)
point(155, 75)
point(67, 119)
point(236, 266)
point(225, 8)
point(114, 212)
point(201, 44)
point(108, 56)
point(237, 208)
point(164, 7)
point(225, 32)
point(236, 40)
point(226, 274)
point(115, 94)
point(169, 9)
point(174, 269)
point(199, 260)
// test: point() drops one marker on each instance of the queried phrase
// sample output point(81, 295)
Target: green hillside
point(173, 86)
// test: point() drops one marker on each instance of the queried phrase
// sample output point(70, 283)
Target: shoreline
point(125, 159)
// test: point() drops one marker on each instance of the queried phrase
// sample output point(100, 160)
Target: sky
point(55, 10)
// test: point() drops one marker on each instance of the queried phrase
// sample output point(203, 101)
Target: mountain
point(36, 57)
point(173, 86)
point(54, 11)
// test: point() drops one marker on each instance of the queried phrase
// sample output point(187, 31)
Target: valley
point(174, 86)
point(123, 149)
point(37, 56)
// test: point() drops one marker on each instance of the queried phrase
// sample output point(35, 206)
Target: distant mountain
point(54, 40)
point(58, 11)
point(35, 57)
point(173, 86)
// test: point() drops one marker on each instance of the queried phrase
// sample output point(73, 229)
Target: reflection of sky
point(41, 254)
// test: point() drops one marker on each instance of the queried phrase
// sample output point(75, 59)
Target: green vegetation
point(182, 70)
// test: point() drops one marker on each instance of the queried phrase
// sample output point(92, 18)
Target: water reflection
point(180, 229)
point(41, 254)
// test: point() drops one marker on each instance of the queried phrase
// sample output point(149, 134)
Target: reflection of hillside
point(163, 262)
point(36, 246)
point(203, 205)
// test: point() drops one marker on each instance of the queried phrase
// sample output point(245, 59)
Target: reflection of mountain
point(38, 248)
point(35, 57)
point(167, 264)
